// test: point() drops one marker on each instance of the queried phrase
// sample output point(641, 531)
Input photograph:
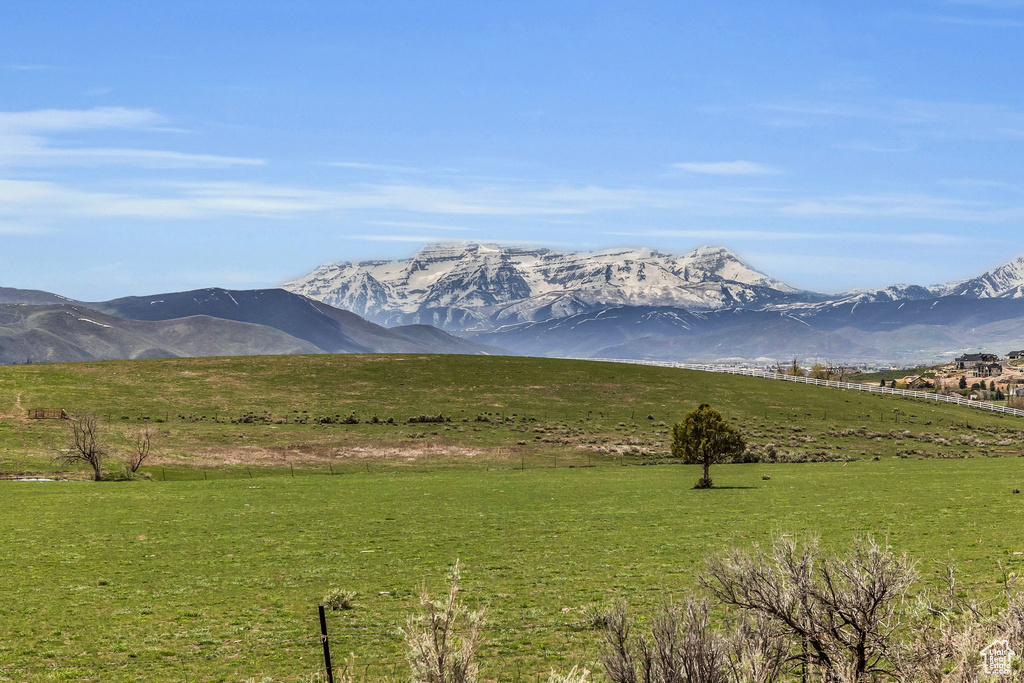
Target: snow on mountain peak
point(466, 285)
point(1005, 281)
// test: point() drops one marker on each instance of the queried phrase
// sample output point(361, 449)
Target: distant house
point(969, 360)
point(1019, 391)
point(988, 369)
point(914, 382)
point(1015, 355)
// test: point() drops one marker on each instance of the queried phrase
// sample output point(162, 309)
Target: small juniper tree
point(705, 437)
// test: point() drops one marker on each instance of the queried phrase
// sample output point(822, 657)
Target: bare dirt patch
point(324, 453)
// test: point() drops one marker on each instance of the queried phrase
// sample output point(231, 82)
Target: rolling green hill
point(290, 411)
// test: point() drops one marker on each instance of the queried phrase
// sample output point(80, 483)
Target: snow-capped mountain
point(1004, 282)
point(477, 286)
point(870, 296)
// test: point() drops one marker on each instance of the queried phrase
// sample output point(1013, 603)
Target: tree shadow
point(722, 488)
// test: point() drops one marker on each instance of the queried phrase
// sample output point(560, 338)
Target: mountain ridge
point(204, 322)
point(473, 287)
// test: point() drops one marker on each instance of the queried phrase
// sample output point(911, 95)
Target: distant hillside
point(911, 331)
point(43, 327)
point(329, 329)
point(58, 333)
point(10, 295)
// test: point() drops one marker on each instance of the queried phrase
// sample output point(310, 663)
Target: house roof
point(976, 357)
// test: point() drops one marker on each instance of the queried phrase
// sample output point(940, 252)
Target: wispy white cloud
point(892, 205)
point(880, 147)
point(768, 235)
point(418, 239)
point(27, 67)
point(32, 155)
point(906, 118)
point(988, 22)
point(23, 200)
point(982, 183)
point(419, 225)
point(366, 166)
point(16, 229)
point(727, 168)
point(25, 141)
point(990, 4)
point(49, 120)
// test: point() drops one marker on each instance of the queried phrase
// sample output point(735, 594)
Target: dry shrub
point(793, 613)
point(441, 641)
point(339, 599)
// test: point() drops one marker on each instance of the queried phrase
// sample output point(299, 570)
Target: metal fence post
point(327, 645)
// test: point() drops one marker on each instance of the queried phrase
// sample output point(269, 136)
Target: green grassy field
point(233, 413)
point(214, 574)
point(889, 375)
point(140, 571)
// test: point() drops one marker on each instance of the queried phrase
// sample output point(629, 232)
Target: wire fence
point(342, 634)
point(767, 374)
point(264, 645)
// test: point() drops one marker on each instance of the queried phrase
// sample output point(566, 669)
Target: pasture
point(215, 416)
point(216, 573)
point(212, 570)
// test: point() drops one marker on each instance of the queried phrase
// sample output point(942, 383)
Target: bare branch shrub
point(950, 631)
point(840, 614)
point(141, 443)
point(759, 650)
point(442, 640)
point(683, 647)
point(84, 443)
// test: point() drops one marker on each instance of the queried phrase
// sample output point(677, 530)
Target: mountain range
point(477, 287)
point(705, 305)
point(39, 326)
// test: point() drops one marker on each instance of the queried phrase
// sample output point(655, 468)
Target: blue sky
point(157, 146)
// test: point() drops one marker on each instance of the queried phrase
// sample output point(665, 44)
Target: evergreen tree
point(705, 437)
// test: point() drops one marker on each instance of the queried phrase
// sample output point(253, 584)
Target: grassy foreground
point(285, 412)
point(214, 574)
point(217, 572)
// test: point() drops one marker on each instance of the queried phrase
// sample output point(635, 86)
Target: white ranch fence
point(766, 374)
